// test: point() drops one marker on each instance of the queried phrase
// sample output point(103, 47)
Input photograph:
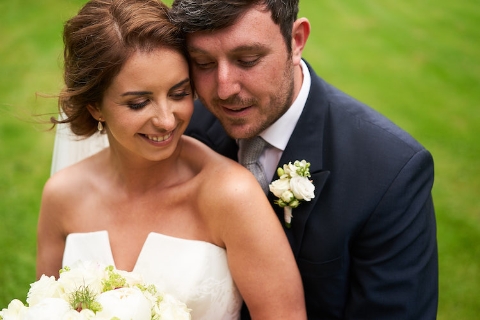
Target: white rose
point(15, 310)
point(278, 187)
point(302, 188)
point(172, 309)
point(43, 288)
point(82, 274)
point(75, 315)
point(131, 277)
point(125, 304)
point(48, 309)
point(85, 314)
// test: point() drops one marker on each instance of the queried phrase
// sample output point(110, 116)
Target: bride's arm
point(50, 233)
point(259, 255)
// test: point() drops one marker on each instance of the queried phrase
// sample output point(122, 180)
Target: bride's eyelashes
point(137, 106)
point(180, 90)
point(176, 95)
point(180, 95)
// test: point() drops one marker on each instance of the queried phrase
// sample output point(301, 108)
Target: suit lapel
point(301, 213)
point(306, 143)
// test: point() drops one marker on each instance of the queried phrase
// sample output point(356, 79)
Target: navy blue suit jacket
point(366, 244)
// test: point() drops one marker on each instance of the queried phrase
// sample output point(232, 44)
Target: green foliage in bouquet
point(113, 281)
point(84, 298)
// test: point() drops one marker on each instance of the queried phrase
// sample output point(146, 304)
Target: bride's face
point(149, 104)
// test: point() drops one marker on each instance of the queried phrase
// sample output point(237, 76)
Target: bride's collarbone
point(175, 190)
point(159, 208)
point(176, 223)
point(141, 197)
point(167, 206)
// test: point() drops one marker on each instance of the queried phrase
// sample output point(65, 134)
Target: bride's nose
point(163, 117)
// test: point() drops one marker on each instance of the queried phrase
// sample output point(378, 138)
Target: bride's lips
point(158, 139)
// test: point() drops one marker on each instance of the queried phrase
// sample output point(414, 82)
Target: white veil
point(69, 148)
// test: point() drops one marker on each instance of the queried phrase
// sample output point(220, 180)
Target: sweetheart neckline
point(103, 237)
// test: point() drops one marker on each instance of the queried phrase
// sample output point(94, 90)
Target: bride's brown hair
point(98, 41)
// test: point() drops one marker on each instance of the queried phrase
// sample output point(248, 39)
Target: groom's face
point(243, 74)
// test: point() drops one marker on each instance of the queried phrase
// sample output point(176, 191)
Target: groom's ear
point(300, 33)
point(94, 111)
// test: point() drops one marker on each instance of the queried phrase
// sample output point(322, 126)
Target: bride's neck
point(138, 175)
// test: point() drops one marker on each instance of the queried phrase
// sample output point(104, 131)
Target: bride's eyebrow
point(144, 93)
point(181, 83)
point(136, 93)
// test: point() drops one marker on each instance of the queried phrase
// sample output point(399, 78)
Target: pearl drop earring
point(100, 125)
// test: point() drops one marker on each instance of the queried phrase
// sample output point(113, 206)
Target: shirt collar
point(280, 131)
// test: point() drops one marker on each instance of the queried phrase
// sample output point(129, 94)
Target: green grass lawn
point(417, 62)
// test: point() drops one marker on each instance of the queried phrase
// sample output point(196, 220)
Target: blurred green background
point(416, 62)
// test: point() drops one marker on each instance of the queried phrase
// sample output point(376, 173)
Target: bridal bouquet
point(89, 290)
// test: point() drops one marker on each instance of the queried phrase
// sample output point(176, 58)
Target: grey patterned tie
point(250, 151)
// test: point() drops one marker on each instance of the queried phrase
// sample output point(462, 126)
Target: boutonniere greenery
point(293, 187)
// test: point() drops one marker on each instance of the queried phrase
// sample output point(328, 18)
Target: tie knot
point(250, 150)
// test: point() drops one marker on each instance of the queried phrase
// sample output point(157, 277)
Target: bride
point(154, 201)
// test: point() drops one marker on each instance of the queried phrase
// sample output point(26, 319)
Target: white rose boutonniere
point(292, 187)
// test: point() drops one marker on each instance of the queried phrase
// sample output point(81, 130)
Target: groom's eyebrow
point(240, 49)
point(136, 93)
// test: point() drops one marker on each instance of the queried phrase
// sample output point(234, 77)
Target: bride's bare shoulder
point(68, 183)
point(208, 161)
point(225, 177)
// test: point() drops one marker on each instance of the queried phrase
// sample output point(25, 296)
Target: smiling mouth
point(231, 110)
point(157, 138)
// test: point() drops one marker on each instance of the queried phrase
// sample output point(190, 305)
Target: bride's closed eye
point(180, 90)
point(139, 105)
point(179, 95)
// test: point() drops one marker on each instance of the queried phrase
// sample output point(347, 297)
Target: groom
point(366, 243)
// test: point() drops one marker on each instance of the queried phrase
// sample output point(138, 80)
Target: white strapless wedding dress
point(195, 272)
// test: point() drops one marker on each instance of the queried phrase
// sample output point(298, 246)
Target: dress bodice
point(195, 272)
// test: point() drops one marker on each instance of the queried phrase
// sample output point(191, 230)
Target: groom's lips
point(236, 111)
